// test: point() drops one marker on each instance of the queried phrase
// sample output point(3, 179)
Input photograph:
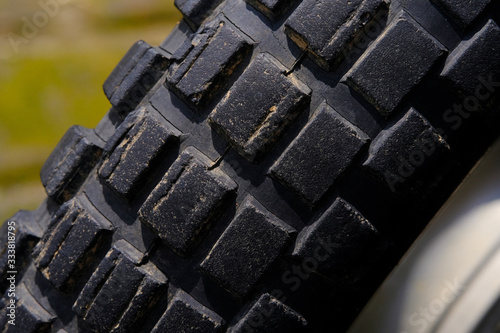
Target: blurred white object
point(449, 281)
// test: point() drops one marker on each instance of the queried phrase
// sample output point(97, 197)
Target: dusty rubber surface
point(260, 171)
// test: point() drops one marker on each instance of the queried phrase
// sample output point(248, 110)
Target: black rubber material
point(262, 170)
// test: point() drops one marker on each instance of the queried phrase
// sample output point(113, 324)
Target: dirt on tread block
point(262, 170)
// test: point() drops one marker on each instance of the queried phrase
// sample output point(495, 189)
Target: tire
point(451, 267)
point(262, 170)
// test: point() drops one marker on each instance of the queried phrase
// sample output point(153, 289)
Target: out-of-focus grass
point(55, 80)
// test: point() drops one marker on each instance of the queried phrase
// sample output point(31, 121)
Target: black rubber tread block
point(121, 291)
point(207, 62)
point(30, 316)
point(320, 153)
point(395, 63)
point(68, 246)
point(259, 107)
point(184, 314)
point(408, 156)
point(70, 162)
point(19, 235)
point(272, 9)
point(473, 68)
point(327, 29)
point(186, 202)
point(124, 67)
point(269, 315)
point(135, 149)
point(247, 249)
point(341, 244)
point(196, 11)
point(135, 75)
point(463, 12)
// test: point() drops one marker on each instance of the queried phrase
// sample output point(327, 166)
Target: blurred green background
point(51, 77)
